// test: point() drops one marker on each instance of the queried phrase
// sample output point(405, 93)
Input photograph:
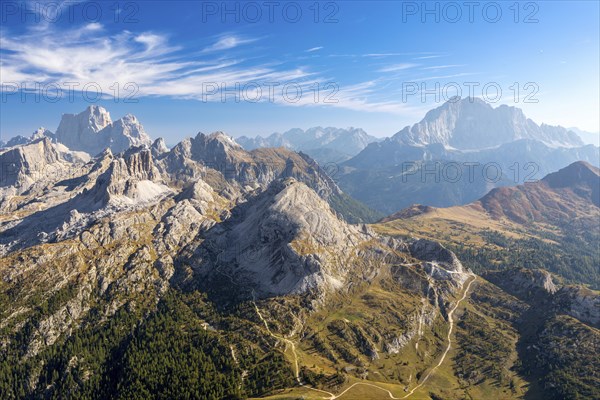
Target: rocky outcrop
point(159, 147)
point(428, 250)
point(580, 303)
point(131, 179)
point(527, 284)
point(412, 211)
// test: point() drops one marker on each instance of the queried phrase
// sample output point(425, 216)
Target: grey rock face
point(132, 178)
point(525, 283)
point(22, 166)
point(92, 131)
point(580, 303)
point(539, 285)
point(471, 123)
point(285, 241)
point(80, 131)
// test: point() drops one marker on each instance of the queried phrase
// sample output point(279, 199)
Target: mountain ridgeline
point(129, 270)
point(326, 145)
point(550, 224)
point(456, 154)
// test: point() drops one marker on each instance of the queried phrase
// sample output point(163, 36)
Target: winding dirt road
point(333, 396)
point(451, 321)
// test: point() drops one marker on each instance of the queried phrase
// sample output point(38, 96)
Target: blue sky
point(369, 60)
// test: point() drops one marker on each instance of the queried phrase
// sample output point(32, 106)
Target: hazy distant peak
point(92, 130)
point(471, 124)
point(326, 144)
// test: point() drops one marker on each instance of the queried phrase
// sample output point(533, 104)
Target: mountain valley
point(210, 271)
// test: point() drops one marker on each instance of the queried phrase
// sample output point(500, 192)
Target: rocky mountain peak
point(582, 178)
point(471, 123)
point(285, 241)
point(217, 149)
point(222, 137)
point(21, 140)
point(559, 197)
point(93, 130)
point(159, 147)
point(73, 126)
point(428, 250)
point(42, 132)
point(125, 133)
point(579, 172)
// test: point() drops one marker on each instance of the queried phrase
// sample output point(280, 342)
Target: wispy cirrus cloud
point(314, 49)
point(398, 67)
point(429, 57)
point(444, 66)
point(445, 77)
point(91, 54)
point(228, 42)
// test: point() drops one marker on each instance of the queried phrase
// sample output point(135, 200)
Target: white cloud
point(228, 42)
point(445, 66)
point(89, 54)
point(314, 49)
point(442, 77)
point(398, 67)
point(428, 57)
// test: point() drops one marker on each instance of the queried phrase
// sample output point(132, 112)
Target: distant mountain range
point(558, 216)
point(326, 145)
point(456, 154)
point(587, 137)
